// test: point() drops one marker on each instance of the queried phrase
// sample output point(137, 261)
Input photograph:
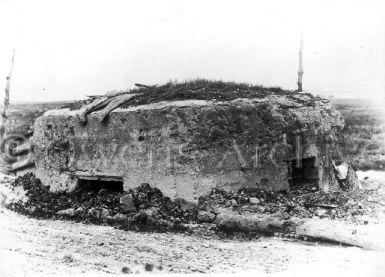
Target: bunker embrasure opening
point(96, 184)
point(304, 174)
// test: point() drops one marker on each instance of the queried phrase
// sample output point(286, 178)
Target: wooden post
point(300, 65)
point(4, 114)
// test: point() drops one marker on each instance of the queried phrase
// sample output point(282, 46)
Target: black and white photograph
point(192, 137)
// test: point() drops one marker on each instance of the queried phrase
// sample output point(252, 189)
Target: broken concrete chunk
point(232, 222)
point(151, 212)
point(68, 259)
point(254, 200)
point(206, 217)
point(342, 171)
point(141, 216)
point(104, 213)
point(127, 203)
point(119, 217)
point(261, 209)
point(93, 212)
point(79, 210)
point(321, 212)
point(365, 219)
point(70, 212)
point(352, 181)
point(126, 270)
point(226, 222)
point(32, 209)
point(347, 177)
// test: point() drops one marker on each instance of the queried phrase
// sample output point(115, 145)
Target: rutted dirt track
point(33, 247)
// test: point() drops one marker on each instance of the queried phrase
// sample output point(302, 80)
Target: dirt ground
point(36, 247)
point(29, 247)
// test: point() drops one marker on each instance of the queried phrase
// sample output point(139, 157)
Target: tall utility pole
point(300, 65)
point(4, 114)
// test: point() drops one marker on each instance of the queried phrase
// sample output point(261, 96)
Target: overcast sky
point(70, 49)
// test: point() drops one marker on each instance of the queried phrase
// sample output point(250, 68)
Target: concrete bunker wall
point(184, 148)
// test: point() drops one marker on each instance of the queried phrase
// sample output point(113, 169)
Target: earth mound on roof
point(199, 89)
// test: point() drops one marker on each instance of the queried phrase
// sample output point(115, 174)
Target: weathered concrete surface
point(186, 148)
point(230, 221)
point(366, 236)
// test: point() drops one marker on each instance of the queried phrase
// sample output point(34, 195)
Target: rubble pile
point(142, 207)
point(146, 208)
point(342, 205)
point(346, 205)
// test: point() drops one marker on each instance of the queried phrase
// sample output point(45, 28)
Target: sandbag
point(95, 105)
point(115, 103)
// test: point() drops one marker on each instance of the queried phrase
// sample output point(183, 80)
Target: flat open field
point(22, 116)
point(362, 141)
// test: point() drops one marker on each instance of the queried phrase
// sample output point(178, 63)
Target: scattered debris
point(346, 176)
point(127, 203)
point(146, 208)
point(326, 206)
point(70, 212)
point(206, 217)
point(68, 259)
point(126, 270)
point(341, 205)
point(341, 170)
point(148, 267)
point(254, 200)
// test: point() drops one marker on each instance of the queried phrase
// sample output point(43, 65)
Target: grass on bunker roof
point(201, 89)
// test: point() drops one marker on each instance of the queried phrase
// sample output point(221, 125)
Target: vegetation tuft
point(202, 89)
